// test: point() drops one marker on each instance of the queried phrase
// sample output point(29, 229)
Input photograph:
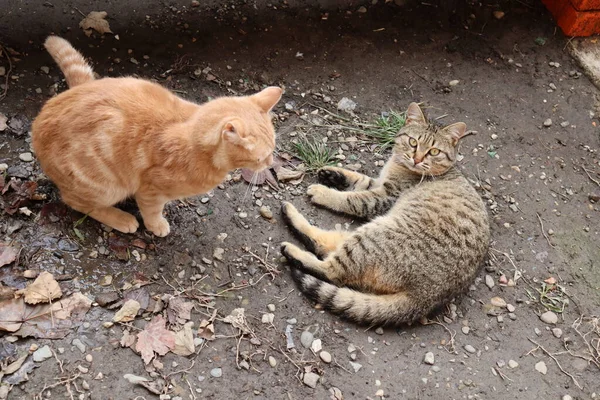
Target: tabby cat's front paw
point(333, 177)
point(319, 194)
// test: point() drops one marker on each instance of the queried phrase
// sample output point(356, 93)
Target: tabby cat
point(427, 237)
point(105, 140)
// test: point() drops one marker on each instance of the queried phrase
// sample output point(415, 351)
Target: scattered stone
point(3, 167)
point(268, 318)
point(351, 348)
point(27, 157)
point(512, 364)
point(82, 369)
point(500, 363)
point(453, 82)
point(429, 358)
point(567, 397)
point(435, 368)
point(79, 344)
point(549, 317)
point(306, 339)
point(355, 366)
point(216, 372)
point(2, 71)
point(244, 365)
point(557, 332)
point(510, 308)
point(362, 9)
point(271, 307)
point(498, 302)
point(106, 280)
point(541, 367)
point(68, 245)
point(379, 393)
point(266, 212)
point(292, 321)
point(89, 358)
point(489, 281)
point(42, 354)
point(243, 215)
point(379, 331)
point(347, 105)
point(469, 348)
point(316, 345)
point(218, 254)
point(465, 330)
point(498, 14)
point(564, 124)
point(272, 361)
point(325, 356)
point(45, 69)
point(537, 331)
point(548, 123)
point(310, 379)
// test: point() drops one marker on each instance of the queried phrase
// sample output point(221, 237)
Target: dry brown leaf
point(127, 312)
point(259, 178)
point(206, 330)
point(237, 319)
point(43, 290)
point(8, 254)
point(155, 338)
point(179, 310)
point(128, 339)
point(46, 321)
point(95, 20)
point(284, 174)
point(184, 341)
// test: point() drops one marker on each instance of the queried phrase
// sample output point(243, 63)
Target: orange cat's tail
point(70, 61)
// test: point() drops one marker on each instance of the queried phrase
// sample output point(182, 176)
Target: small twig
point(181, 370)
point(451, 333)
point(193, 395)
point(503, 376)
point(556, 361)
point(66, 381)
point(590, 176)
point(339, 365)
point(82, 14)
point(543, 231)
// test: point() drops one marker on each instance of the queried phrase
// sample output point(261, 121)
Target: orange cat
point(105, 140)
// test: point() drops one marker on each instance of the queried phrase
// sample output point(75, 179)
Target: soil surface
point(534, 159)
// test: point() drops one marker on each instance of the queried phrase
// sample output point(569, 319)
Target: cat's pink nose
point(417, 160)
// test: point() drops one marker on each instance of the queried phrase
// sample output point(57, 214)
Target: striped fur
point(76, 70)
point(427, 236)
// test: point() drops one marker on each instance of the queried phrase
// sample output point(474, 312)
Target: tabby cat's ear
point(267, 98)
point(456, 131)
point(414, 115)
point(232, 133)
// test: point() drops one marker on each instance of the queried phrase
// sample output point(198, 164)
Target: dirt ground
point(513, 75)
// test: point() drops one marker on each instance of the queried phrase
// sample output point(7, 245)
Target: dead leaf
point(284, 174)
point(8, 254)
point(7, 293)
point(259, 178)
point(15, 365)
point(21, 193)
point(95, 20)
point(120, 246)
point(206, 330)
point(336, 394)
point(128, 312)
point(179, 310)
point(44, 321)
point(155, 338)
point(237, 319)
point(184, 341)
point(21, 375)
point(128, 339)
point(140, 295)
point(43, 290)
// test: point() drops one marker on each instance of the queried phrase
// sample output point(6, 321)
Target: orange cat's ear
point(456, 131)
point(232, 133)
point(267, 98)
point(414, 115)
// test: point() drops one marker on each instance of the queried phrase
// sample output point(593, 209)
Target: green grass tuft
point(314, 154)
point(385, 129)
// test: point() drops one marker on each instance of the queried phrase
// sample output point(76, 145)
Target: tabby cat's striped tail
point(69, 60)
point(362, 308)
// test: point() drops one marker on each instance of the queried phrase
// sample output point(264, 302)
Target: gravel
point(429, 358)
point(42, 354)
point(79, 344)
point(325, 356)
point(306, 339)
point(549, 317)
point(355, 366)
point(489, 281)
point(310, 379)
point(541, 367)
point(470, 349)
point(216, 372)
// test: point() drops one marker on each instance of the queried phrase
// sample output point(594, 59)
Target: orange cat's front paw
point(160, 227)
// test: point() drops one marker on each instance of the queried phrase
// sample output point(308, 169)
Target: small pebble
point(379, 331)
point(557, 332)
point(541, 367)
point(89, 358)
point(325, 356)
point(549, 317)
point(470, 348)
point(489, 281)
point(79, 344)
point(564, 124)
point(310, 379)
point(429, 358)
point(244, 365)
point(512, 364)
point(435, 368)
point(316, 345)
point(548, 123)
point(271, 307)
point(465, 330)
point(306, 339)
point(42, 354)
point(567, 397)
point(356, 366)
point(216, 372)
point(272, 361)
point(510, 308)
point(453, 82)
point(82, 369)
point(27, 157)
point(266, 212)
point(268, 318)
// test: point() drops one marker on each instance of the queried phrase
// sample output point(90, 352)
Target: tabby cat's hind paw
point(333, 177)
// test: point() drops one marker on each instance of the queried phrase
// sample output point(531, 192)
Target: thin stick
point(543, 231)
point(181, 370)
point(191, 390)
point(339, 365)
point(452, 335)
point(590, 176)
point(557, 363)
point(3, 51)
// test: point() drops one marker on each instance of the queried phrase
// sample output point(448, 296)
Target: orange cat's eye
point(434, 152)
point(412, 142)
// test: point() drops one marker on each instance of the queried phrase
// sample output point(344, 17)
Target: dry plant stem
point(340, 366)
point(543, 231)
point(450, 348)
point(269, 267)
point(39, 396)
point(7, 75)
point(181, 370)
point(503, 376)
point(556, 361)
point(193, 396)
point(590, 176)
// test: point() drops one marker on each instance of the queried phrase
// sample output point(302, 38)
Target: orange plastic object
point(586, 5)
point(572, 21)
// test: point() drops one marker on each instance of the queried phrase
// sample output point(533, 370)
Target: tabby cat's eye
point(412, 142)
point(434, 152)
